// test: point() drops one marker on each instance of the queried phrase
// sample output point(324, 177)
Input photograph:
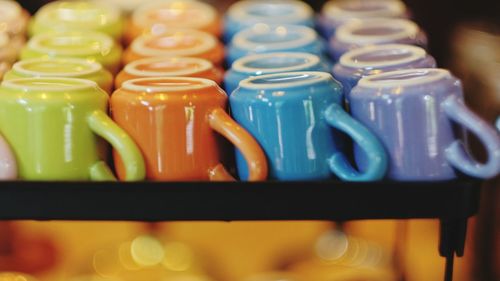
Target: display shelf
point(169, 201)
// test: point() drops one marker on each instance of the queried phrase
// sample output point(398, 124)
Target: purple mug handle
point(456, 153)
point(8, 164)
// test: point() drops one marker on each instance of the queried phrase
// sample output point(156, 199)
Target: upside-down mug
point(178, 122)
point(262, 64)
point(293, 116)
point(176, 43)
point(359, 33)
point(88, 45)
point(420, 117)
point(62, 67)
point(56, 128)
point(245, 14)
point(169, 67)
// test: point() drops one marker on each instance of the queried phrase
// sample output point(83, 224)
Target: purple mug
point(359, 33)
point(420, 117)
point(377, 59)
point(335, 13)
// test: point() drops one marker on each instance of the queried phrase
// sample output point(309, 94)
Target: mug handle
point(377, 157)
point(456, 153)
point(105, 127)
point(8, 163)
point(222, 123)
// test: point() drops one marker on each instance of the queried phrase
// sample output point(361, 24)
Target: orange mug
point(176, 43)
point(158, 16)
point(175, 121)
point(169, 67)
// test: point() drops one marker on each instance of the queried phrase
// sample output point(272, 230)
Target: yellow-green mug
point(56, 128)
point(89, 45)
point(64, 68)
point(78, 15)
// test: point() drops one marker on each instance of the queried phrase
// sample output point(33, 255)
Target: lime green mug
point(62, 67)
point(88, 45)
point(56, 128)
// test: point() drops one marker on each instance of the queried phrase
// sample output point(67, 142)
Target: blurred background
point(464, 36)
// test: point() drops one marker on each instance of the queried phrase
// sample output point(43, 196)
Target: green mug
point(89, 45)
point(56, 128)
point(64, 68)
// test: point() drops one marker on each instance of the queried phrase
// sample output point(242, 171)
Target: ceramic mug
point(359, 33)
point(157, 17)
point(88, 45)
point(370, 60)
point(13, 18)
point(245, 14)
point(292, 116)
point(62, 16)
point(335, 13)
point(420, 117)
point(53, 126)
point(262, 64)
point(9, 47)
point(264, 38)
point(176, 121)
point(169, 67)
point(176, 43)
point(62, 67)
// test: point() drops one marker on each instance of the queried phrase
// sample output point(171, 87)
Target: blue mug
point(420, 117)
point(335, 13)
point(293, 116)
point(377, 59)
point(244, 14)
point(360, 33)
point(264, 38)
point(262, 64)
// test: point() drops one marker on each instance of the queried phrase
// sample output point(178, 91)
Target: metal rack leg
point(451, 242)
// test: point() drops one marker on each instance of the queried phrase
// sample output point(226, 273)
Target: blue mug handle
point(376, 155)
point(456, 153)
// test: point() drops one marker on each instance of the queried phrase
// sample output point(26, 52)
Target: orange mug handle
point(222, 123)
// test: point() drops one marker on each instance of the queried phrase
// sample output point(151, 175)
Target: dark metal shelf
point(168, 201)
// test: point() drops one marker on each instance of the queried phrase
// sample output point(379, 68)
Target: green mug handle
point(105, 127)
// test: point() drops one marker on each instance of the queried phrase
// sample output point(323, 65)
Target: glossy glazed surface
point(88, 45)
point(63, 67)
point(13, 18)
point(292, 115)
point(413, 113)
point(245, 14)
point(53, 126)
point(371, 60)
point(262, 64)
point(264, 38)
point(169, 67)
point(178, 123)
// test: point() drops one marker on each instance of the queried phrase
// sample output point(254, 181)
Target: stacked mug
point(360, 100)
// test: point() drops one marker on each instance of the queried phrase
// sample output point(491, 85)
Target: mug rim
point(308, 36)
point(131, 85)
point(239, 11)
point(35, 42)
point(345, 32)
point(240, 64)
point(12, 8)
point(334, 10)
point(45, 14)
point(347, 59)
point(93, 67)
point(131, 68)
point(83, 84)
point(320, 76)
point(208, 42)
point(140, 17)
point(440, 73)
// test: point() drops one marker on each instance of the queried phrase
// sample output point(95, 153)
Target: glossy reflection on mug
point(292, 116)
point(178, 123)
point(420, 117)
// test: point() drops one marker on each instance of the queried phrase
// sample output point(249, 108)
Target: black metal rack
point(452, 202)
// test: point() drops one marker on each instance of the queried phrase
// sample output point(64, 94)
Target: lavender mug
point(420, 117)
point(377, 59)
